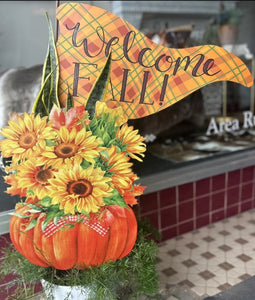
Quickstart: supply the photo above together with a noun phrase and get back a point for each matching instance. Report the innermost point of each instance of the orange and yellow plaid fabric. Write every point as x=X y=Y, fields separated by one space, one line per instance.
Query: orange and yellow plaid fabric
x=145 y=77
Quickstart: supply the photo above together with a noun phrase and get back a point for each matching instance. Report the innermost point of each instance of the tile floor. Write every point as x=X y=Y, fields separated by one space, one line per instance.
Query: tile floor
x=207 y=261
x=211 y=259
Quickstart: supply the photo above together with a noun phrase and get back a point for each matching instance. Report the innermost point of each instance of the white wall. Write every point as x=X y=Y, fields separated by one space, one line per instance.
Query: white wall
x=24 y=32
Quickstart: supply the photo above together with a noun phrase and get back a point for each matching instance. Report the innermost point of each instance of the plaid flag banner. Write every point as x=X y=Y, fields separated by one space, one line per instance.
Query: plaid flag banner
x=145 y=77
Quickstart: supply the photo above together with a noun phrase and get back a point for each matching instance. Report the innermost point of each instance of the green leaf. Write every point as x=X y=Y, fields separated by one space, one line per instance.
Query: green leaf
x=34 y=211
x=106 y=137
x=46 y=201
x=33 y=206
x=30 y=193
x=19 y=215
x=93 y=125
x=51 y=214
x=31 y=224
x=44 y=225
x=58 y=214
x=99 y=88
x=105 y=154
x=39 y=106
x=53 y=57
x=50 y=142
x=115 y=199
x=48 y=94
x=84 y=212
x=69 y=101
x=85 y=164
x=56 y=219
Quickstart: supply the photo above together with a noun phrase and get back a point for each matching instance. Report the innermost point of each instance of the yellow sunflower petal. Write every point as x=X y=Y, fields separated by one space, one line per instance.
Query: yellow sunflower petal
x=79 y=189
x=49 y=154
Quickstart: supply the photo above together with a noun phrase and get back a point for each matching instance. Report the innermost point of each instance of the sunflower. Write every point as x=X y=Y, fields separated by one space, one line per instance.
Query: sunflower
x=71 y=147
x=120 y=169
x=132 y=141
x=79 y=190
x=34 y=177
x=25 y=138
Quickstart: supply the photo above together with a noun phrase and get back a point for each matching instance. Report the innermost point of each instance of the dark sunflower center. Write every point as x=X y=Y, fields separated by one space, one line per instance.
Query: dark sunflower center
x=43 y=175
x=80 y=187
x=27 y=140
x=65 y=150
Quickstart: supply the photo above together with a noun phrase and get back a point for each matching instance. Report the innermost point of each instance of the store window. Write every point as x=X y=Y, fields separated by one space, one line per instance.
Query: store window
x=23 y=46
x=217 y=119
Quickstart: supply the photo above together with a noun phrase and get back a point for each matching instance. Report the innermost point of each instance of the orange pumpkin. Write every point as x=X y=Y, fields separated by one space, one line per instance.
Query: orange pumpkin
x=77 y=246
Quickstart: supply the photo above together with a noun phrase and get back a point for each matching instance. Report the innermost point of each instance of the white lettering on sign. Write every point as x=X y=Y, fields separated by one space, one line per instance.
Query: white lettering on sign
x=249 y=119
x=217 y=128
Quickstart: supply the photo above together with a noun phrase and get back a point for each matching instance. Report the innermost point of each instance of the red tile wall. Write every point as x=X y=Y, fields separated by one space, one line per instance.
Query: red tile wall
x=186 y=207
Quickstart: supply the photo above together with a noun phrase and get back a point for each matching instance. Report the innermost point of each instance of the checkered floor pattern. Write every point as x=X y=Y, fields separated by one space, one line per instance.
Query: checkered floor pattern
x=212 y=259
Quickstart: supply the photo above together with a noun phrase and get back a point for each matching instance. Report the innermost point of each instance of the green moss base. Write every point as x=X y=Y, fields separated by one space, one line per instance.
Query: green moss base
x=127 y=278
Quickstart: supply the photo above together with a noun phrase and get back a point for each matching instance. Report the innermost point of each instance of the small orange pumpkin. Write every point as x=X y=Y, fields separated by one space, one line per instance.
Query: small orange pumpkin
x=77 y=246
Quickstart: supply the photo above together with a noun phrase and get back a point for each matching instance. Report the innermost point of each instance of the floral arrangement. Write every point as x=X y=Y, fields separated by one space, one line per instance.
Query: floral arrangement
x=67 y=164
x=71 y=166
